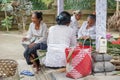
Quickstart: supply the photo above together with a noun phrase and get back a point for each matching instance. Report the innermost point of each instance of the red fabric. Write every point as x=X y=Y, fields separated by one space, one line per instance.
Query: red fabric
x=80 y=62
x=116 y=42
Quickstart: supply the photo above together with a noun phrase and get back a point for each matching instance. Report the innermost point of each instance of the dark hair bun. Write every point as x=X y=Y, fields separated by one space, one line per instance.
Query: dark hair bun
x=92 y=16
x=38 y=15
x=59 y=19
x=63 y=18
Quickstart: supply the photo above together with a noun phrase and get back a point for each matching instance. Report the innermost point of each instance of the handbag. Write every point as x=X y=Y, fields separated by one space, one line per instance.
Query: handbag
x=79 y=62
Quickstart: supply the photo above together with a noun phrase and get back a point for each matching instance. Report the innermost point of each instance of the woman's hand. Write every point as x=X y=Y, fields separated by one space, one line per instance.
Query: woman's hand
x=85 y=37
x=24 y=39
x=31 y=45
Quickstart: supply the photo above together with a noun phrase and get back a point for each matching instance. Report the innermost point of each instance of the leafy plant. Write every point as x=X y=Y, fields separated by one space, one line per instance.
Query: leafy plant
x=38 y=5
x=111 y=4
x=86 y=4
x=79 y=4
x=71 y=4
x=41 y=4
x=5 y=1
x=21 y=12
x=6 y=7
x=7 y=22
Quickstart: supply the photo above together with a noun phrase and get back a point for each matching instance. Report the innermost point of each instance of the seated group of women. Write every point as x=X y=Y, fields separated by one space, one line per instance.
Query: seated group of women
x=57 y=38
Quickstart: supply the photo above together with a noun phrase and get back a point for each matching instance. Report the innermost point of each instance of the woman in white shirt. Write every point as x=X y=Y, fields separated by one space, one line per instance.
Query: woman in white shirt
x=87 y=29
x=60 y=37
x=74 y=21
x=38 y=33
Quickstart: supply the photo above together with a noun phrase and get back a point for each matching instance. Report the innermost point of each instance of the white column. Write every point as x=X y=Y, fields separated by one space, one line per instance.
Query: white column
x=101 y=16
x=117 y=6
x=60 y=6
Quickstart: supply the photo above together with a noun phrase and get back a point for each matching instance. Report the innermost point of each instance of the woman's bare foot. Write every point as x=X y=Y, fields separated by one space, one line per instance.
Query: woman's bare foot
x=37 y=70
x=34 y=66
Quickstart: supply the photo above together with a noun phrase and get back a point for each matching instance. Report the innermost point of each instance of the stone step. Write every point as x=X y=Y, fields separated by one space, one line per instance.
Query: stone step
x=97 y=76
x=43 y=75
x=51 y=74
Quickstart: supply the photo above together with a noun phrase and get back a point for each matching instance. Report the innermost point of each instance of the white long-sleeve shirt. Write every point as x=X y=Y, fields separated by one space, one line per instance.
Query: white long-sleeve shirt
x=74 y=24
x=60 y=37
x=40 y=34
x=87 y=32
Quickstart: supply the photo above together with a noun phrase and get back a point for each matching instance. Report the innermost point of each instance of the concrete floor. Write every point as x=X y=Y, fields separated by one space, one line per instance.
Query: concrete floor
x=11 y=48
x=10 y=45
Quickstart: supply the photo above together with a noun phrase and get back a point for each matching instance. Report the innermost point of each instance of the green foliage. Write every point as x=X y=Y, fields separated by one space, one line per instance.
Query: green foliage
x=79 y=4
x=41 y=4
x=72 y=4
x=86 y=4
x=23 y=9
x=113 y=49
x=38 y=5
x=111 y=4
x=6 y=5
x=7 y=22
x=47 y=1
x=5 y=1
x=110 y=45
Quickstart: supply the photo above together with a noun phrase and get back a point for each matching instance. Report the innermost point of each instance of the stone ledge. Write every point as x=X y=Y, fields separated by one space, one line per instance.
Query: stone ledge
x=98 y=76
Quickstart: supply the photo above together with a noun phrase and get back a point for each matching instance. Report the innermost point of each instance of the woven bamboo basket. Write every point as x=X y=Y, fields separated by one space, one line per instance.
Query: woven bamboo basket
x=8 y=68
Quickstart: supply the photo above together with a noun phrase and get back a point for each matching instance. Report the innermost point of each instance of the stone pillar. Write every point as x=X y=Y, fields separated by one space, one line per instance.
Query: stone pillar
x=60 y=6
x=101 y=14
x=101 y=60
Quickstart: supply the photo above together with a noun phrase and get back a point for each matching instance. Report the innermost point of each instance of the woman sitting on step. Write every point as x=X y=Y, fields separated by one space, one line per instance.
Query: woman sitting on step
x=87 y=29
x=37 y=35
x=60 y=37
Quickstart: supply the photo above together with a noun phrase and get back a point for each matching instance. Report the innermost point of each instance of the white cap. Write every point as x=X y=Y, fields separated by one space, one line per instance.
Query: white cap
x=77 y=12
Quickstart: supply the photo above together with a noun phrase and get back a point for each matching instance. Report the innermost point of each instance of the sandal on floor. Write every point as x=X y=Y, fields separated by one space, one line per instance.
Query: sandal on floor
x=27 y=73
